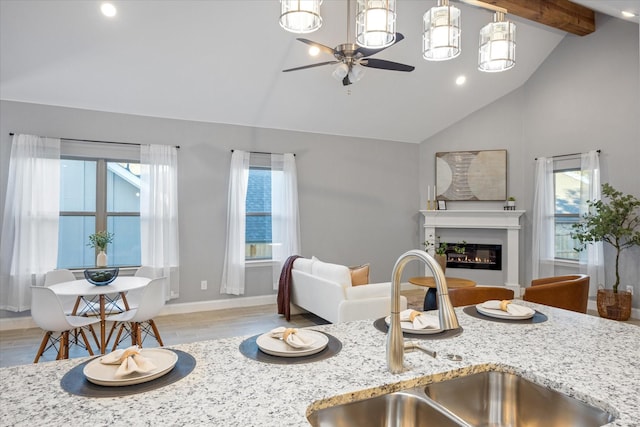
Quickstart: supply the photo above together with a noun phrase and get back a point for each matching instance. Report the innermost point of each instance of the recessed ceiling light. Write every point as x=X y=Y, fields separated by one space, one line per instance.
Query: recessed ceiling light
x=628 y=14
x=461 y=80
x=108 y=9
x=314 y=50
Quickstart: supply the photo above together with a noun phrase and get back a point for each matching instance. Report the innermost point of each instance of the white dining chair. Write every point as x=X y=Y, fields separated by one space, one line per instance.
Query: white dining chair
x=138 y=322
x=134 y=296
x=54 y=277
x=47 y=312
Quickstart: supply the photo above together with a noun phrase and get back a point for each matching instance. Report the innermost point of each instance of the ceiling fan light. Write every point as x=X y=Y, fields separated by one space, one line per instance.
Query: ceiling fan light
x=441 y=35
x=497 y=51
x=340 y=71
x=300 y=16
x=356 y=73
x=376 y=23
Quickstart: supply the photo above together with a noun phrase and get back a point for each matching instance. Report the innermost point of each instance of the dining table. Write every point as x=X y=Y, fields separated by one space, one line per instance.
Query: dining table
x=88 y=292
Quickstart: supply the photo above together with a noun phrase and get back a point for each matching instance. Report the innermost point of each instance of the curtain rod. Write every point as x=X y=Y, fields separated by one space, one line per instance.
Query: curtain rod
x=99 y=142
x=568 y=155
x=263 y=152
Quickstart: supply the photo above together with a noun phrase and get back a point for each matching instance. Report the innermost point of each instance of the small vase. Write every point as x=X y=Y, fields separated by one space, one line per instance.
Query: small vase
x=101 y=259
x=442 y=261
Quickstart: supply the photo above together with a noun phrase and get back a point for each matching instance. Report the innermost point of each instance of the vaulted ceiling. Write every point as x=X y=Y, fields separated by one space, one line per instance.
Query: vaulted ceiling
x=222 y=61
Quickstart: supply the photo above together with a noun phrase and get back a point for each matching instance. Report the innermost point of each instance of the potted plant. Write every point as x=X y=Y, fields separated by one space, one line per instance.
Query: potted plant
x=99 y=241
x=617 y=223
x=511 y=201
x=440 y=250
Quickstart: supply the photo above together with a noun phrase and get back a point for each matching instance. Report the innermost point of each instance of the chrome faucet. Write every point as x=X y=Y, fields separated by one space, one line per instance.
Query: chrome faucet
x=446 y=313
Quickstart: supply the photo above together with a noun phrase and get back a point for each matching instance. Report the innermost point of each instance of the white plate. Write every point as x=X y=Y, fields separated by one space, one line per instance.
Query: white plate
x=499 y=314
x=277 y=347
x=408 y=326
x=101 y=374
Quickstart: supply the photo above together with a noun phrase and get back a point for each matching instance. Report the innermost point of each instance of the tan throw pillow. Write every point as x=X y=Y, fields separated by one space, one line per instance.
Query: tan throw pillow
x=359 y=275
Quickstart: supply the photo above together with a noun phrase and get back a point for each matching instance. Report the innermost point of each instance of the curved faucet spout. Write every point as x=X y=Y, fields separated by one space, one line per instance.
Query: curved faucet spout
x=446 y=313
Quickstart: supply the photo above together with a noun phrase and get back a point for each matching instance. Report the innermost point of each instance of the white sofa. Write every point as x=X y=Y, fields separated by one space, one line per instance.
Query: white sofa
x=325 y=290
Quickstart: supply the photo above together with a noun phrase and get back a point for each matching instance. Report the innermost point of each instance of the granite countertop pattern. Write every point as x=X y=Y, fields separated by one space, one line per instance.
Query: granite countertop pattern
x=593 y=359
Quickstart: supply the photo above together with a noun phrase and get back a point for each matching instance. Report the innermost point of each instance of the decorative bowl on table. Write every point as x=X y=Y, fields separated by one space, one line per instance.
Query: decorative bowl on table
x=101 y=276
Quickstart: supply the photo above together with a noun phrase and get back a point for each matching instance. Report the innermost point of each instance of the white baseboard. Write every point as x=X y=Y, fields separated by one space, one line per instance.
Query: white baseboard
x=27 y=322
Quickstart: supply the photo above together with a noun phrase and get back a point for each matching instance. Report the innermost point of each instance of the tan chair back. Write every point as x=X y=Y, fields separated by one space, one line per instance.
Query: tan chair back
x=478 y=294
x=568 y=292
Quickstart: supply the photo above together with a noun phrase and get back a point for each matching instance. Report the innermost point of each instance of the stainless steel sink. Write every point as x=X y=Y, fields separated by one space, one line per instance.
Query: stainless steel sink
x=488 y=399
x=398 y=409
x=503 y=399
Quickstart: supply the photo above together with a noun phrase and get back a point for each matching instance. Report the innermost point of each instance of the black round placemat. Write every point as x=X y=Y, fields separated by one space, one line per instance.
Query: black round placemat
x=472 y=311
x=382 y=326
x=75 y=382
x=250 y=349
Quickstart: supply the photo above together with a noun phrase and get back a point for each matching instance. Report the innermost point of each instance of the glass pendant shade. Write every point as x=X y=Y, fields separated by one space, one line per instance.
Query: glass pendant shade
x=300 y=16
x=376 y=23
x=340 y=71
x=497 y=50
x=441 y=36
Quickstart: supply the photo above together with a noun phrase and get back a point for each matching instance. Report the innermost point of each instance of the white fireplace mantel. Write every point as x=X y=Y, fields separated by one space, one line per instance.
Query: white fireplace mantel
x=485 y=219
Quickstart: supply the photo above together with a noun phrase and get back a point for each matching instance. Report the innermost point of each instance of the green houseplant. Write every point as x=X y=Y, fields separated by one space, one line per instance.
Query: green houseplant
x=616 y=222
x=440 y=250
x=99 y=241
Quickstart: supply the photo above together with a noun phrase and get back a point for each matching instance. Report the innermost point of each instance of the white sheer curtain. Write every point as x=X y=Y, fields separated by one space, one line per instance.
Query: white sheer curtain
x=234 y=257
x=159 y=214
x=592 y=259
x=29 y=246
x=543 y=247
x=285 y=220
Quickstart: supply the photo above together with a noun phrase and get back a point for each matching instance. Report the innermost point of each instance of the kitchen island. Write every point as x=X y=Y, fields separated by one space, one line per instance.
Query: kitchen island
x=593 y=359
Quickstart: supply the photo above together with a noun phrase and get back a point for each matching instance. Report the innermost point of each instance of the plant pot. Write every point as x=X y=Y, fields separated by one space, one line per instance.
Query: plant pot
x=615 y=306
x=442 y=261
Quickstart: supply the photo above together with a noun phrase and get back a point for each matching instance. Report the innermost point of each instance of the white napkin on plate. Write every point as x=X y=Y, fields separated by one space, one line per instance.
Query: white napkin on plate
x=293 y=337
x=507 y=306
x=419 y=320
x=130 y=361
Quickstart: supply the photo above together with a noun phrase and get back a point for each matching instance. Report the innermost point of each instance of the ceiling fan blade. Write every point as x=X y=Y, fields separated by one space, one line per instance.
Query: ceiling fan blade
x=310 y=66
x=322 y=47
x=368 y=52
x=346 y=81
x=386 y=65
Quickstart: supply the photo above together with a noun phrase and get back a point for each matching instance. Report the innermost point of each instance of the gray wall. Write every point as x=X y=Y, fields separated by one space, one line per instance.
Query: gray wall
x=358 y=197
x=585 y=96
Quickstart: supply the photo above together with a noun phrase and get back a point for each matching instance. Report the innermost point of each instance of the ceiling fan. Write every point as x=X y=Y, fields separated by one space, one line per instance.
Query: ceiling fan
x=350 y=57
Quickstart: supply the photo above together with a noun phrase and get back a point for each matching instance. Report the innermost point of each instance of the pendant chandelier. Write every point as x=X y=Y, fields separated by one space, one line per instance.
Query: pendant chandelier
x=497 y=50
x=441 y=35
x=376 y=23
x=300 y=16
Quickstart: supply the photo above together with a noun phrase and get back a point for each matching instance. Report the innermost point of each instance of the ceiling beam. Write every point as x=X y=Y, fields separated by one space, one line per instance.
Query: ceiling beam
x=562 y=14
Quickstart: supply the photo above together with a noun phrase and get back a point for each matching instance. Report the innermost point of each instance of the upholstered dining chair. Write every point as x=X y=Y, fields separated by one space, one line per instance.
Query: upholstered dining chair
x=478 y=294
x=138 y=321
x=47 y=312
x=568 y=292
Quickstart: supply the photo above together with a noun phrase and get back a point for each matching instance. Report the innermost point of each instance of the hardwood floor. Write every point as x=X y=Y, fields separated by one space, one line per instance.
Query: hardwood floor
x=18 y=347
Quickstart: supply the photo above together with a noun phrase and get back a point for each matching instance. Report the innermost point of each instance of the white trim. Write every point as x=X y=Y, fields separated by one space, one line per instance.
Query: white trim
x=26 y=322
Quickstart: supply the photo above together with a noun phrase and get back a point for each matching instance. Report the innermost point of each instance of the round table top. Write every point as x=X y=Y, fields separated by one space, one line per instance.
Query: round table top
x=83 y=287
x=452 y=282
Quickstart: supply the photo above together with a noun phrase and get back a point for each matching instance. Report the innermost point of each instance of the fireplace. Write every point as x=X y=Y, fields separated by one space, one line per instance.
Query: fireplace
x=476 y=256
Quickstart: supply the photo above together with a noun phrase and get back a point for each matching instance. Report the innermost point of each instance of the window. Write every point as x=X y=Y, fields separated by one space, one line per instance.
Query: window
x=567 y=186
x=98 y=194
x=258 y=217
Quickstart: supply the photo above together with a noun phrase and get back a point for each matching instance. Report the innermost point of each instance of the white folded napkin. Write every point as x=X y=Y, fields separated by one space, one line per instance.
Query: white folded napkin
x=419 y=320
x=130 y=361
x=293 y=337
x=508 y=306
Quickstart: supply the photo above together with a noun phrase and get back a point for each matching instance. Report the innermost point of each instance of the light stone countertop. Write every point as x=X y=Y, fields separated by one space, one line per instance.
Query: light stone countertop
x=593 y=359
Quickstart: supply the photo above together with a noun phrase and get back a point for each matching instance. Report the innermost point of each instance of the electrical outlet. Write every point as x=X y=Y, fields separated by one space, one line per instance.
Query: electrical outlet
x=203 y=285
x=630 y=289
